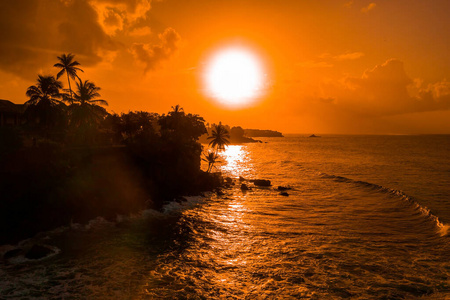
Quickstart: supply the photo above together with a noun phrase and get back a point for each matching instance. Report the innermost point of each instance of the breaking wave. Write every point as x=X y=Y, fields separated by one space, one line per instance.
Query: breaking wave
x=423 y=210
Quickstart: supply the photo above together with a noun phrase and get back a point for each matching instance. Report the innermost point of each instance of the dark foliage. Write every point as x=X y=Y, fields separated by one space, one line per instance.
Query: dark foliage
x=74 y=163
x=150 y=159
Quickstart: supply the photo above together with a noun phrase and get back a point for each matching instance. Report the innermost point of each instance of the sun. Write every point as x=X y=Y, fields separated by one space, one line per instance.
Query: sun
x=234 y=77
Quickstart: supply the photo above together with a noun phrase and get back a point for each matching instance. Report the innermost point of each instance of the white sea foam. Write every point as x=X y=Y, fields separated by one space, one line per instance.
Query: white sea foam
x=177 y=206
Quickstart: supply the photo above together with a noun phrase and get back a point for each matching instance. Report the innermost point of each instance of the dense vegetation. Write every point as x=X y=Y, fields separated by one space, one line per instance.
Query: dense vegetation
x=70 y=160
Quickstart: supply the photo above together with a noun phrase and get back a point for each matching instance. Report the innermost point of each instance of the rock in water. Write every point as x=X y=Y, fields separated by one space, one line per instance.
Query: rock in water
x=284 y=188
x=284 y=194
x=244 y=187
x=38 y=251
x=261 y=182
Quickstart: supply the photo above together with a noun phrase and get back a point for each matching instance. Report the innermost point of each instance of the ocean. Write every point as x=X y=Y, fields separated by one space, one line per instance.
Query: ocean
x=367 y=217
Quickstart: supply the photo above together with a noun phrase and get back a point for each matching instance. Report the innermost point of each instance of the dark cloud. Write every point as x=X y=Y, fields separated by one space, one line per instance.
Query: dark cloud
x=152 y=55
x=33 y=32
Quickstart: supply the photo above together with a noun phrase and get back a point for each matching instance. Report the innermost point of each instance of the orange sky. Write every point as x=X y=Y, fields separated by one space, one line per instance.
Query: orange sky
x=331 y=66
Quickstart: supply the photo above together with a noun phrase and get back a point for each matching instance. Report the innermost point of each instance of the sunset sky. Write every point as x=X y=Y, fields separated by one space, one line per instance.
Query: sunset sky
x=329 y=66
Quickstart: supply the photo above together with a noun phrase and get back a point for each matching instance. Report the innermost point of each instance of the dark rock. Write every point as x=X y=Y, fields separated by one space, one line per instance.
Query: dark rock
x=244 y=187
x=284 y=188
x=220 y=193
x=12 y=253
x=261 y=182
x=284 y=194
x=180 y=200
x=241 y=178
x=38 y=251
x=228 y=180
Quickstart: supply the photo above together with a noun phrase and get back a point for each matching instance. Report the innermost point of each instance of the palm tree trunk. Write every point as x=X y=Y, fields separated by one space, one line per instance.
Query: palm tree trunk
x=70 y=89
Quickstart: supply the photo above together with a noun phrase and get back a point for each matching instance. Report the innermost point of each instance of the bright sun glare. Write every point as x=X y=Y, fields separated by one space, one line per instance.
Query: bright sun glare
x=234 y=77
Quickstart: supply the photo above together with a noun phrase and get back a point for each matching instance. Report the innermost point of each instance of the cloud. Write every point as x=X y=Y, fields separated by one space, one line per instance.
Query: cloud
x=368 y=8
x=327 y=60
x=349 y=56
x=34 y=32
x=118 y=15
x=349 y=4
x=387 y=90
x=151 y=55
x=140 y=31
x=112 y=21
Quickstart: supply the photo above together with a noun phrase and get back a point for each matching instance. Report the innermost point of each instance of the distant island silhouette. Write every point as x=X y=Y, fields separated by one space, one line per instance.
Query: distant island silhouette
x=238 y=135
x=262 y=133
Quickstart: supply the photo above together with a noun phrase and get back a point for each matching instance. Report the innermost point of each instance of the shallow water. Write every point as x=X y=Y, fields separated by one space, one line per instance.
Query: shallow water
x=366 y=219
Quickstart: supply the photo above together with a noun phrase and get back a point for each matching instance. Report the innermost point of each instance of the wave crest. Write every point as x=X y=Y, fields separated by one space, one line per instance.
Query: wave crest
x=423 y=210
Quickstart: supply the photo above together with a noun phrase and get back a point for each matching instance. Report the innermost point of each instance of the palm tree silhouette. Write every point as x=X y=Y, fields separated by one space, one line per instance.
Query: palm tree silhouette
x=219 y=137
x=44 y=104
x=85 y=108
x=176 y=113
x=68 y=66
x=177 y=109
x=211 y=158
x=46 y=90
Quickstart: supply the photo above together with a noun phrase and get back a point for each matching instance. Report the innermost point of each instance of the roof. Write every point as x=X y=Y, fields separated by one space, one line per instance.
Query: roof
x=9 y=107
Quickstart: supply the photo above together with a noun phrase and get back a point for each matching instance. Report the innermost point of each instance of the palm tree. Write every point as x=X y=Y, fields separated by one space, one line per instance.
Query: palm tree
x=46 y=90
x=177 y=109
x=85 y=108
x=44 y=103
x=175 y=116
x=211 y=158
x=68 y=66
x=219 y=137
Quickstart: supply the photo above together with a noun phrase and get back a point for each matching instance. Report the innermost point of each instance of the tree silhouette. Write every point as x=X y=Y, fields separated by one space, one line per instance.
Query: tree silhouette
x=211 y=158
x=68 y=66
x=46 y=90
x=219 y=137
x=44 y=103
x=176 y=110
x=181 y=127
x=85 y=109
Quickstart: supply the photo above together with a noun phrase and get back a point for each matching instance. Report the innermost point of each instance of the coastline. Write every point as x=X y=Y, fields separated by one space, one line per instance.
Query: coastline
x=45 y=188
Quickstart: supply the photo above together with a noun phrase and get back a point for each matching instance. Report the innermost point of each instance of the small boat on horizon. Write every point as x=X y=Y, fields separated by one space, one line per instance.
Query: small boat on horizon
x=313 y=135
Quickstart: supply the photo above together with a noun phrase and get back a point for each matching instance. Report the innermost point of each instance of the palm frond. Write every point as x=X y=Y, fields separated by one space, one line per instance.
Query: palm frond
x=101 y=101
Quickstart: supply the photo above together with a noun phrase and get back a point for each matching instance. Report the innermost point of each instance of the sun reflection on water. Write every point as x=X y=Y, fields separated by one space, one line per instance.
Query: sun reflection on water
x=233 y=241
x=235 y=161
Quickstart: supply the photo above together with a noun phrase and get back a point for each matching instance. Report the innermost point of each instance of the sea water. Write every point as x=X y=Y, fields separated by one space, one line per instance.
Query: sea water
x=367 y=218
